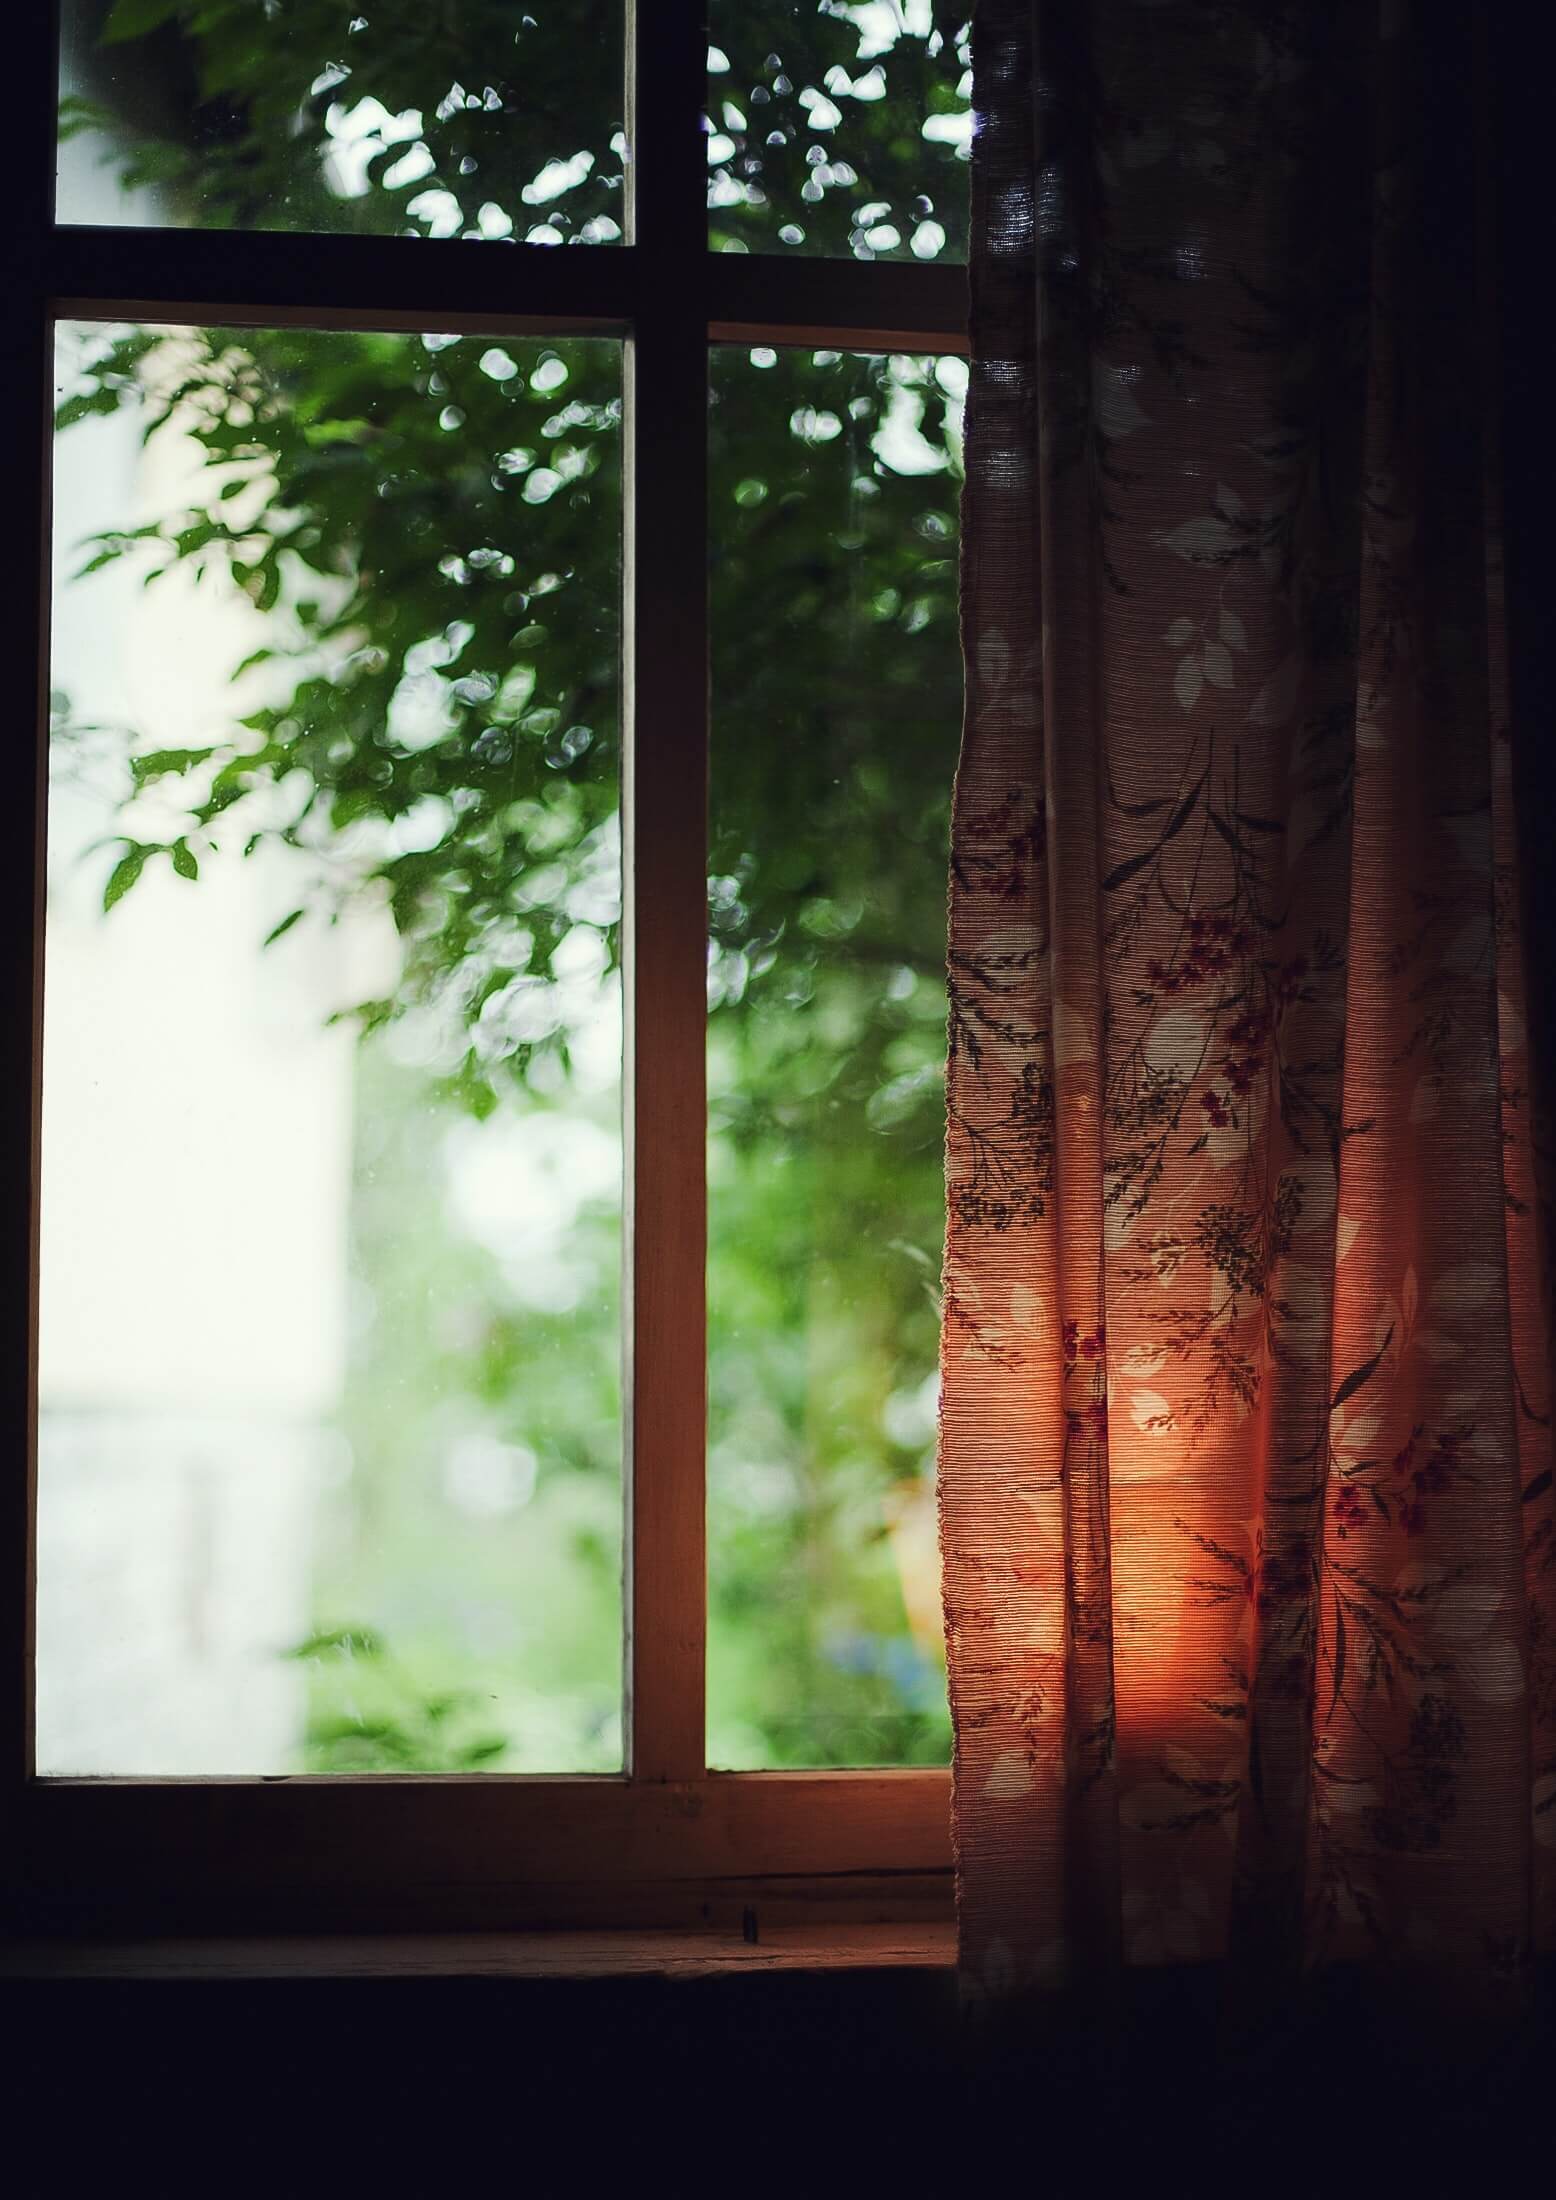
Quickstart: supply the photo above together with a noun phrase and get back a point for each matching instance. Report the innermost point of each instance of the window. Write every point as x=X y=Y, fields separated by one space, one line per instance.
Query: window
x=393 y=259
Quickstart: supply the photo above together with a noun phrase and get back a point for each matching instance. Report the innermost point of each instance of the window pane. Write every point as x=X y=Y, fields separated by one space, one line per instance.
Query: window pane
x=398 y=117
x=839 y=127
x=837 y=701
x=329 y=1454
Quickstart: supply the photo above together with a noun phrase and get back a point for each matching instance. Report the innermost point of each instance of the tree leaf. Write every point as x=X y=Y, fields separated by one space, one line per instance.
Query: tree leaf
x=77 y=114
x=84 y=405
x=157 y=763
x=134 y=18
x=124 y=874
x=483 y=1751
x=358 y=1642
x=1187 y=682
x=279 y=931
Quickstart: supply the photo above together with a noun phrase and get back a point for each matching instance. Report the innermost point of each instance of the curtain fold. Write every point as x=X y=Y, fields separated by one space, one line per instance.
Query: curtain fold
x=1246 y=1505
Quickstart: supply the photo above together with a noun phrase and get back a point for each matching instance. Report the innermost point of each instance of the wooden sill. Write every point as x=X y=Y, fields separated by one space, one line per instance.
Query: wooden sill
x=696 y=1955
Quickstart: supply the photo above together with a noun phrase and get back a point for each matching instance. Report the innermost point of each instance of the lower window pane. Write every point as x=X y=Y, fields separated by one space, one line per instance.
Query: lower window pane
x=837 y=705
x=329 y=1452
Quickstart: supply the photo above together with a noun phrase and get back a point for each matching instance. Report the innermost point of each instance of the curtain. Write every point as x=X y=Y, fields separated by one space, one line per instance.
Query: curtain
x=1246 y=1504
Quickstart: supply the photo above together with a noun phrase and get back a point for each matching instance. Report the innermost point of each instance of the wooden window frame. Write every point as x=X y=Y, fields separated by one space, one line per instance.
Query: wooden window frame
x=666 y=1843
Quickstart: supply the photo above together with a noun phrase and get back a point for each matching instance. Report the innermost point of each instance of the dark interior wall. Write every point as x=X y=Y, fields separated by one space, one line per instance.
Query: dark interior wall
x=405 y=2086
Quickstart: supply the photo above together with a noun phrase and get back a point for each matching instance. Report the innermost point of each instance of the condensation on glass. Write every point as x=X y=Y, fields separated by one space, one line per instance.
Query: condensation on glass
x=836 y=718
x=329 y=1472
x=839 y=127
x=394 y=117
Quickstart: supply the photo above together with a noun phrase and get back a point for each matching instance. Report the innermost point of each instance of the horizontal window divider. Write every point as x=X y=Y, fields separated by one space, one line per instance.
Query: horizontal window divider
x=260 y=278
x=813 y=1779
x=821 y=336
x=263 y=277
x=379 y=1854
x=854 y=305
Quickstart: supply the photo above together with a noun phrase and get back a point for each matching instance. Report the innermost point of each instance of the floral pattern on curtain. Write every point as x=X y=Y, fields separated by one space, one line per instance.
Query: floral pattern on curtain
x=1246 y=1502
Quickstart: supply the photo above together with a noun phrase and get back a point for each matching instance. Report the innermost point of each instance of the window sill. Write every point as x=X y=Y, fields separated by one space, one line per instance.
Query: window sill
x=665 y=1955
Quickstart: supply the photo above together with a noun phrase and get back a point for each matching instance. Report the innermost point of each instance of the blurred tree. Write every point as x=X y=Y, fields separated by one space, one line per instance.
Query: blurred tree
x=835 y=126
x=432 y=525
x=839 y=126
x=319 y=116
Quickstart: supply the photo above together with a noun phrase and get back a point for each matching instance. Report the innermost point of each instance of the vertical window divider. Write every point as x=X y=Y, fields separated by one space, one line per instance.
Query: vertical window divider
x=664 y=857
x=26 y=393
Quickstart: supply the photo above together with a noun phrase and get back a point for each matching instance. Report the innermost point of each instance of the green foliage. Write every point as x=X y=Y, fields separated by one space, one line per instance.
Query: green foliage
x=123 y=875
x=396 y=118
x=431 y=527
x=390 y=1724
x=434 y=531
x=836 y=129
x=826 y=130
x=521 y=1606
x=134 y=18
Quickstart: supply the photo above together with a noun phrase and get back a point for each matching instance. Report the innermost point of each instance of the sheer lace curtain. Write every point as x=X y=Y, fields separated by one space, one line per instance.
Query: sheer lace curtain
x=1250 y=1564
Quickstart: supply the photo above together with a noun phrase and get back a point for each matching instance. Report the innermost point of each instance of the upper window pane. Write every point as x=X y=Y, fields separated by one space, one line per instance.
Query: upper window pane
x=329 y=1459
x=375 y=117
x=839 y=127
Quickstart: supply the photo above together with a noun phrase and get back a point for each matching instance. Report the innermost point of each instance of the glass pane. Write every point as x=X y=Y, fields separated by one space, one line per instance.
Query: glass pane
x=399 y=118
x=839 y=127
x=329 y=1455
x=836 y=719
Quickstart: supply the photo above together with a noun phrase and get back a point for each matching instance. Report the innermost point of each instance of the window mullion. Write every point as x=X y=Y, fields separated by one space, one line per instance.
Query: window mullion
x=26 y=387
x=665 y=923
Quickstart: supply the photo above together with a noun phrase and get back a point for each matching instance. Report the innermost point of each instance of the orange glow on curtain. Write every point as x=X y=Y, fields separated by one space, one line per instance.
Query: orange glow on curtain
x=1246 y=1507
